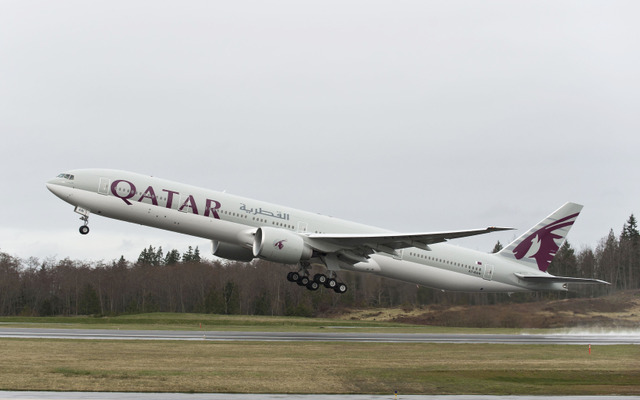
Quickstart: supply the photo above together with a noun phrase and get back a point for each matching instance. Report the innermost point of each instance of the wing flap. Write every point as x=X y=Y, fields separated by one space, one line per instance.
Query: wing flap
x=395 y=241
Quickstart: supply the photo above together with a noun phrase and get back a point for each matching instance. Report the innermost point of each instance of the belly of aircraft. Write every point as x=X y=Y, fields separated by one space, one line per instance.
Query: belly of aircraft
x=433 y=277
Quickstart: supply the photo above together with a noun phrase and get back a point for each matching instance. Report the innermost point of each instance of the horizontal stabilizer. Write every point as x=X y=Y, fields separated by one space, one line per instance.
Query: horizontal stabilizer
x=560 y=279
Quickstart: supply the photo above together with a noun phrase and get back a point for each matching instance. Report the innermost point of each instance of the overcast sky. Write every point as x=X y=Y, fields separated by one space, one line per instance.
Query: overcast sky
x=414 y=116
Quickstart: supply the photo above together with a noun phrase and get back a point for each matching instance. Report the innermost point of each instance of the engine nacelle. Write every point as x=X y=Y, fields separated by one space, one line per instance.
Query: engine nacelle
x=279 y=245
x=231 y=251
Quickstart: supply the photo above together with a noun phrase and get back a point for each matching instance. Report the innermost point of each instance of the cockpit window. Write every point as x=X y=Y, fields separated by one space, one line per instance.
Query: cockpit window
x=66 y=176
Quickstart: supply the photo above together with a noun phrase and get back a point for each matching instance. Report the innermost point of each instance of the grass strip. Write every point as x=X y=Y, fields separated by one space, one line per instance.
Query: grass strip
x=317 y=367
x=199 y=322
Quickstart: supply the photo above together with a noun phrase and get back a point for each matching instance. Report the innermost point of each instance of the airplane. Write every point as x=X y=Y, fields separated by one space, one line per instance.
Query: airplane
x=243 y=229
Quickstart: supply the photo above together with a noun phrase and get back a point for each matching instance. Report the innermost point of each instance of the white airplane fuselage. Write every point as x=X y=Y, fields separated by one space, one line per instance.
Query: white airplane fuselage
x=231 y=222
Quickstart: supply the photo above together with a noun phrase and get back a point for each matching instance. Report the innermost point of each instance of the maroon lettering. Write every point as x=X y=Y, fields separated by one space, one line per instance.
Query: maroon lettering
x=149 y=194
x=212 y=211
x=170 y=194
x=191 y=204
x=127 y=195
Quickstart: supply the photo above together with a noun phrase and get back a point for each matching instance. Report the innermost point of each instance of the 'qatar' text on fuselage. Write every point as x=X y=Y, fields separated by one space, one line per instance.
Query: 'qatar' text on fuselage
x=126 y=190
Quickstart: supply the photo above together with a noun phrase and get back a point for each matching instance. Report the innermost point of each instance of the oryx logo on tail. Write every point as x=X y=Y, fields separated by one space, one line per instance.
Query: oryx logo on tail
x=539 y=245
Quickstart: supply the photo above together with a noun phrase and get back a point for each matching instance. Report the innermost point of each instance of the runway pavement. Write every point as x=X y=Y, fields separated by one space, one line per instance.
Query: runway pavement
x=574 y=338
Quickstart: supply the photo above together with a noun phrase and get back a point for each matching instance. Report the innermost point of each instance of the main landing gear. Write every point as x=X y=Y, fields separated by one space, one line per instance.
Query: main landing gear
x=302 y=278
x=84 y=229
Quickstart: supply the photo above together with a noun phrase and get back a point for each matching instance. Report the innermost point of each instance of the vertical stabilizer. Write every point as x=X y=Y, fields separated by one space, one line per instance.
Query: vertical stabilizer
x=539 y=245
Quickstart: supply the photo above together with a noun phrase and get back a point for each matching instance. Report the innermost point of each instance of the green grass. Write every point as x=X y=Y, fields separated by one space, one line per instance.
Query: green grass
x=199 y=322
x=304 y=367
x=277 y=367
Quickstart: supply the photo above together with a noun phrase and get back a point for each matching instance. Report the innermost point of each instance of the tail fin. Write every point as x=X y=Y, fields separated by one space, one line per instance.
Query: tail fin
x=539 y=245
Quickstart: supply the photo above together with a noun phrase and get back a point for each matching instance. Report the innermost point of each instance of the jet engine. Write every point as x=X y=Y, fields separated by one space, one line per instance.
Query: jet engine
x=279 y=245
x=231 y=251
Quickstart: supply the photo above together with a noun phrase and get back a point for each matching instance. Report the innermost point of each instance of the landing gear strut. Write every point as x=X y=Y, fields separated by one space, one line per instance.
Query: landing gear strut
x=84 y=229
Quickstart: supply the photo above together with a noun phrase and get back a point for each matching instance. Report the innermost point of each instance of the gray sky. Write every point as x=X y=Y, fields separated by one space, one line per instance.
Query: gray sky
x=408 y=115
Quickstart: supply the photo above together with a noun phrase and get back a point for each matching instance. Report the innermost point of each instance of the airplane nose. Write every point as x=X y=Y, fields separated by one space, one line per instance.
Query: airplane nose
x=52 y=184
x=53 y=188
x=59 y=190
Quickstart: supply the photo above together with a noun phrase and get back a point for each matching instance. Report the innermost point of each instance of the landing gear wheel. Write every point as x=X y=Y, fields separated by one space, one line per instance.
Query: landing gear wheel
x=303 y=280
x=290 y=277
x=340 y=288
x=313 y=285
x=84 y=229
x=330 y=283
x=320 y=278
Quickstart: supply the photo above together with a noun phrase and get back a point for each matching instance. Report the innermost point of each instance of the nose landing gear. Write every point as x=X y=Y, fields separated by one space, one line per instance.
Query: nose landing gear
x=84 y=229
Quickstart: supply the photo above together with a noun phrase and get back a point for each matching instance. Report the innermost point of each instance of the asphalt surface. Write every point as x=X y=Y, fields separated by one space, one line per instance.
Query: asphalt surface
x=575 y=338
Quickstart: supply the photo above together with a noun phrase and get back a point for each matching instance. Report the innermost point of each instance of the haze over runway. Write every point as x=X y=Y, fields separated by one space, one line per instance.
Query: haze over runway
x=413 y=116
x=574 y=338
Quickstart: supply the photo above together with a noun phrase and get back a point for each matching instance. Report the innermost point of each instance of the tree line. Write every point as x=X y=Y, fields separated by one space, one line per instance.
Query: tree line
x=174 y=282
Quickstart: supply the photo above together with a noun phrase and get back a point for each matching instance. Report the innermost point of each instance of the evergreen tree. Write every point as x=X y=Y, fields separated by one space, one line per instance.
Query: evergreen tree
x=262 y=304
x=188 y=256
x=608 y=256
x=191 y=255
x=122 y=262
x=89 y=302
x=172 y=257
x=497 y=247
x=231 y=296
x=629 y=266
x=143 y=258
x=151 y=256
x=565 y=263
x=214 y=303
x=158 y=257
x=630 y=230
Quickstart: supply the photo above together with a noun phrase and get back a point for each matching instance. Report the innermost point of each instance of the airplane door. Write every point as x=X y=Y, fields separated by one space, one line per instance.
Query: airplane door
x=488 y=272
x=103 y=188
x=302 y=227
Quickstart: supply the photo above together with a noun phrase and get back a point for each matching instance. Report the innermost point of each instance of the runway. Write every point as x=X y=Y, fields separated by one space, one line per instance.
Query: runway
x=570 y=338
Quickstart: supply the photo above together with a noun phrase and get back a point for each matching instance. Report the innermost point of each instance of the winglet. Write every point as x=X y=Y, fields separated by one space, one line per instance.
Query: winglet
x=499 y=228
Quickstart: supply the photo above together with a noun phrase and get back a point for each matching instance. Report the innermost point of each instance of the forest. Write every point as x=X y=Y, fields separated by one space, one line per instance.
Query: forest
x=185 y=283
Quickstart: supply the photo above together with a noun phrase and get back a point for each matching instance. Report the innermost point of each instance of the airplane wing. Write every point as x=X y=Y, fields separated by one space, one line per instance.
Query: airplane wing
x=389 y=242
x=562 y=279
